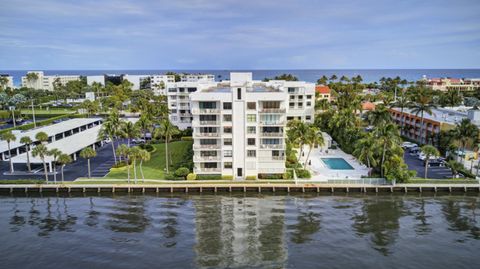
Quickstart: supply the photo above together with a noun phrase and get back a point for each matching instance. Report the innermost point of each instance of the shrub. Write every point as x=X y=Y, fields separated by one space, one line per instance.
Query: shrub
x=191 y=176
x=147 y=147
x=120 y=164
x=172 y=176
x=209 y=177
x=253 y=177
x=186 y=138
x=303 y=173
x=227 y=177
x=270 y=176
x=182 y=172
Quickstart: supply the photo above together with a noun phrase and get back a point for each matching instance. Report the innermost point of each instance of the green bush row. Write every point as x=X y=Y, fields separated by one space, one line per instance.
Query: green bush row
x=209 y=177
x=31 y=125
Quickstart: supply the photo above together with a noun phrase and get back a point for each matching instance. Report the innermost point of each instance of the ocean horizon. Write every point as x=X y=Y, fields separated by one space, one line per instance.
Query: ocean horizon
x=310 y=75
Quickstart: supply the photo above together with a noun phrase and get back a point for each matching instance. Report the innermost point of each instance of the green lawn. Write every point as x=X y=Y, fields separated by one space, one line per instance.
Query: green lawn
x=154 y=169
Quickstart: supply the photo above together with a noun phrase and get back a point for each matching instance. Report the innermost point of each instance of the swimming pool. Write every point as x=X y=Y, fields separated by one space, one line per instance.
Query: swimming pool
x=337 y=164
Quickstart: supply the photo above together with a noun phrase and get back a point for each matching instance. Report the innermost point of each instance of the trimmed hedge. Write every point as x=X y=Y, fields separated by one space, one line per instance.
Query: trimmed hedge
x=209 y=177
x=186 y=138
x=191 y=176
x=31 y=125
x=251 y=177
x=227 y=177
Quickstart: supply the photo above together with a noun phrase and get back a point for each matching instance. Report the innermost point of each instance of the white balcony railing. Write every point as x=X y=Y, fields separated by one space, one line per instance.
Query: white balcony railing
x=205 y=122
x=279 y=122
x=199 y=146
x=271 y=146
x=272 y=158
x=276 y=134
x=202 y=169
x=206 y=111
x=206 y=158
x=273 y=110
x=206 y=134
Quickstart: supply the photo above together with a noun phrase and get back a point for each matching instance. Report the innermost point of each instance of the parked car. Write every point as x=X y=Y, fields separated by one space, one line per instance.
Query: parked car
x=422 y=157
x=436 y=163
x=138 y=141
x=409 y=145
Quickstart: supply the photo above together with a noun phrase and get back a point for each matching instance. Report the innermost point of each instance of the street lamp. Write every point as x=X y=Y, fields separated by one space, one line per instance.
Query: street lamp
x=12 y=108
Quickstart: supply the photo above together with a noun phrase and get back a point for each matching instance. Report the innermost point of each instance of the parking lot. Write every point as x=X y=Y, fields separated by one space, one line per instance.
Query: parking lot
x=418 y=165
x=100 y=166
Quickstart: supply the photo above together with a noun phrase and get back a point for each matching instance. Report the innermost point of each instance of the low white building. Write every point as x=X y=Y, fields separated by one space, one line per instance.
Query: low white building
x=44 y=82
x=239 y=125
x=9 y=81
x=197 y=78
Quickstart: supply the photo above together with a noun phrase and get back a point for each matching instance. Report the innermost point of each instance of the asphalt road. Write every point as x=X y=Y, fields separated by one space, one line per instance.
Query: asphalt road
x=433 y=172
x=100 y=166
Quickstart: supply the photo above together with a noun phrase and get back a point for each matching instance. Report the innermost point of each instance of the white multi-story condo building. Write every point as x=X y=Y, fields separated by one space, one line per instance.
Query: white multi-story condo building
x=155 y=82
x=239 y=125
x=197 y=77
x=9 y=81
x=40 y=81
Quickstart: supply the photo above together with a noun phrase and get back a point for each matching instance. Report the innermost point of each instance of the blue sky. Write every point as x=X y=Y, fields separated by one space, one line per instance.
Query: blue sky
x=239 y=34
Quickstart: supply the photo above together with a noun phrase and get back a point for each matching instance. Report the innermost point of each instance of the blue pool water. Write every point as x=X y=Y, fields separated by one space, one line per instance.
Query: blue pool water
x=337 y=164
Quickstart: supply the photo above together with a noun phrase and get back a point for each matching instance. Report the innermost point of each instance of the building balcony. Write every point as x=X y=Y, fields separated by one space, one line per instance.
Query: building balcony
x=206 y=134
x=206 y=170
x=271 y=146
x=272 y=158
x=206 y=111
x=270 y=123
x=199 y=146
x=185 y=114
x=206 y=158
x=205 y=122
x=272 y=134
x=272 y=110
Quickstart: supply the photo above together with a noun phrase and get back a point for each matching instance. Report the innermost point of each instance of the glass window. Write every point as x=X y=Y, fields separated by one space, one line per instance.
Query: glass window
x=227 y=141
x=207 y=105
x=309 y=97
x=239 y=94
x=308 y=117
x=227 y=105
x=227 y=117
x=300 y=105
x=227 y=130
x=251 y=153
x=251 y=141
x=251 y=129
x=252 y=105
x=300 y=97
x=251 y=118
x=309 y=103
x=227 y=153
x=227 y=165
x=292 y=97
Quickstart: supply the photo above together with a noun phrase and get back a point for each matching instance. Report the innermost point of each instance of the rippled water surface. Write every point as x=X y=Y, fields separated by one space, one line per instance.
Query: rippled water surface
x=240 y=232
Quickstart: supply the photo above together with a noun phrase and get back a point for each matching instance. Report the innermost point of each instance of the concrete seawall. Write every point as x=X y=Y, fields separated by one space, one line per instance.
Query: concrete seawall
x=242 y=188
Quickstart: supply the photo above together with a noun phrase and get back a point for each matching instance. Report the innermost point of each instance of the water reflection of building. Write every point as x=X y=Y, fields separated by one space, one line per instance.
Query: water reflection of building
x=240 y=232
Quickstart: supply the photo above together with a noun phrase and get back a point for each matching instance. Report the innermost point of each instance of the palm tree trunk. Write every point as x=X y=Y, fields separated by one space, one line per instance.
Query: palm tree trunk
x=426 y=166
x=45 y=169
x=135 y=170
x=29 y=167
x=114 y=154
x=166 y=152
x=63 y=177
x=55 y=174
x=141 y=171
x=128 y=170
x=421 y=130
x=383 y=158
x=308 y=156
x=10 y=158
x=88 y=162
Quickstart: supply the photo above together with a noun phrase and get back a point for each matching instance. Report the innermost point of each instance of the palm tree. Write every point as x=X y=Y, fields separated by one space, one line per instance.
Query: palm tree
x=133 y=154
x=122 y=151
x=42 y=137
x=313 y=137
x=88 y=153
x=9 y=137
x=144 y=155
x=455 y=167
x=27 y=141
x=130 y=131
x=365 y=150
x=379 y=116
x=423 y=104
x=41 y=151
x=402 y=103
x=109 y=130
x=295 y=133
x=388 y=138
x=166 y=130
x=144 y=124
x=429 y=151
x=63 y=160
x=464 y=132
x=55 y=153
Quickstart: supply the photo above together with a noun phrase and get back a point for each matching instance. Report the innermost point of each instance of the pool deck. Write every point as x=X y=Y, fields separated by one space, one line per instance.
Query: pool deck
x=322 y=172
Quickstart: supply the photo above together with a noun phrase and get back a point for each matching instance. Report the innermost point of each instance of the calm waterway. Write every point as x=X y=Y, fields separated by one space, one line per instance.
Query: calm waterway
x=236 y=231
